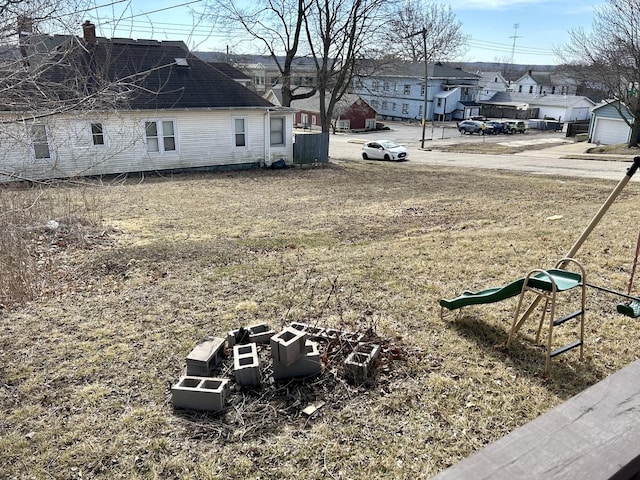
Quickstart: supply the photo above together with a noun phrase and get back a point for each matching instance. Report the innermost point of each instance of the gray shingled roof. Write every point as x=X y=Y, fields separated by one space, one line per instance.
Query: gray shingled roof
x=141 y=75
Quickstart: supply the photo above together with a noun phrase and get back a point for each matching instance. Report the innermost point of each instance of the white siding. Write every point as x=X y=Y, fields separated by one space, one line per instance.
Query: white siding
x=203 y=138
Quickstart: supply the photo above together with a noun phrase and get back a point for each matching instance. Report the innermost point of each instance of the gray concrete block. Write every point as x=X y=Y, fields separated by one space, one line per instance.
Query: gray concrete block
x=205 y=357
x=200 y=393
x=311 y=330
x=288 y=346
x=260 y=334
x=246 y=364
x=361 y=362
x=308 y=365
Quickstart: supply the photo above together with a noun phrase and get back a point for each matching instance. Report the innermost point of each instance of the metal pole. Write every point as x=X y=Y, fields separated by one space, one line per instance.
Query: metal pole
x=426 y=85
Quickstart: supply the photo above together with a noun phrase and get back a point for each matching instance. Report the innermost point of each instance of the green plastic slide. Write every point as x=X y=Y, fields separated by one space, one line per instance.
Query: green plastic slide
x=564 y=280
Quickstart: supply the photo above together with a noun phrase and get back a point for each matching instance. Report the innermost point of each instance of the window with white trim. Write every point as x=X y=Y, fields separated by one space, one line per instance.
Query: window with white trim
x=240 y=132
x=407 y=89
x=160 y=136
x=97 y=134
x=276 y=130
x=405 y=108
x=40 y=141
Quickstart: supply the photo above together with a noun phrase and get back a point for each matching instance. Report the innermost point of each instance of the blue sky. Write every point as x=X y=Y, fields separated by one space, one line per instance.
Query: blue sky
x=542 y=25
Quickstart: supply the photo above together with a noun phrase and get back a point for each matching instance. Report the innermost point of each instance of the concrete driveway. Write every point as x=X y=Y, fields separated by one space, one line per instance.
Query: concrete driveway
x=568 y=159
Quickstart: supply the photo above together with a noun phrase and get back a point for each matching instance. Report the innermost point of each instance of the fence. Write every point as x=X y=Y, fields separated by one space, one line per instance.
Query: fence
x=311 y=148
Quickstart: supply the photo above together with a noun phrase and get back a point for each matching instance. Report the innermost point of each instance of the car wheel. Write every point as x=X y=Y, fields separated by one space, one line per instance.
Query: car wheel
x=386 y=157
x=365 y=156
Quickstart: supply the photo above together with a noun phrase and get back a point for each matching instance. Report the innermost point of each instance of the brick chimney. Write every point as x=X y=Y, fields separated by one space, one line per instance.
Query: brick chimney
x=89 y=32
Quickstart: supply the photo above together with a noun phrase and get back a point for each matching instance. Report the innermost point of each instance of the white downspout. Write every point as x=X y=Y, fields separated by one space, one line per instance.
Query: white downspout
x=267 y=139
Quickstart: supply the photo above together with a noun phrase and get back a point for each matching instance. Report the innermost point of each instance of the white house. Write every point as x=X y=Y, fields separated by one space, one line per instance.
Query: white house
x=120 y=105
x=491 y=83
x=548 y=83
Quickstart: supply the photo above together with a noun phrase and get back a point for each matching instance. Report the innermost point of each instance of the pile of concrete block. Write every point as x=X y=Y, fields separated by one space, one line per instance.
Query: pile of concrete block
x=294 y=354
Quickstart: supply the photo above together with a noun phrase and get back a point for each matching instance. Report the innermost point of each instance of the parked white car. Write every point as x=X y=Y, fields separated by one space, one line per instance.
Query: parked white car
x=384 y=150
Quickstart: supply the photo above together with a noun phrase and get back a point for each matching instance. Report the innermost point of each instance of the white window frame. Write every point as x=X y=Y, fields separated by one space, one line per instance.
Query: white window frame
x=407 y=89
x=236 y=133
x=405 y=108
x=280 y=142
x=370 y=123
x=99 y=135
x=42 y=141
x=304 y=119
x=160 y=137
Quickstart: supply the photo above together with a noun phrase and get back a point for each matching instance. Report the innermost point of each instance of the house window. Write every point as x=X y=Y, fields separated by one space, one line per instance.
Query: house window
x=240 y=132
x=375 y=86
x=160 y=136
x=439 y=102
x=343 y=125
x=407 y=89
x=97 y=134
x=370 y=124
x=519 y=88
x=304 y=119
x=258 y=79
x=40 y=141
x=386 y=86
x=276 y=127
x=405 y=108
x=394 y=107
x=422 y=90
x=313 y=120
x=420 y=111
x=530 y=88
x=359 y=83
x=553 y=90
x=385 y=105
x=375 y=103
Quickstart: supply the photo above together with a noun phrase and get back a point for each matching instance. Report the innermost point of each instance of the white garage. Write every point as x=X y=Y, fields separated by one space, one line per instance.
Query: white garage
x=608 y=125
x=609 y=131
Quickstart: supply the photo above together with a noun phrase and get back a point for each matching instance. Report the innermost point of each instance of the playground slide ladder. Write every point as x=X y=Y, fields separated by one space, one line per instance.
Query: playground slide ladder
x=546 y=285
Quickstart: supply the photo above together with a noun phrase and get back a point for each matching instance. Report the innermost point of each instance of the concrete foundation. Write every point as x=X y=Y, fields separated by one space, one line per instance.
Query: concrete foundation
x=308 y=365
x=246 y=364
x=200 y=393
x=205 y=357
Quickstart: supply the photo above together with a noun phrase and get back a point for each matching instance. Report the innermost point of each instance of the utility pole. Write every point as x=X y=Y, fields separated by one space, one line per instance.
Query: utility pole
x=514 y=36
x=423 y=32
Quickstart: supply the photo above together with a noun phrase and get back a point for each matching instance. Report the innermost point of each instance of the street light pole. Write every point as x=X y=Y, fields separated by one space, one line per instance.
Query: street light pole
x=423 y=32
x=426 y=85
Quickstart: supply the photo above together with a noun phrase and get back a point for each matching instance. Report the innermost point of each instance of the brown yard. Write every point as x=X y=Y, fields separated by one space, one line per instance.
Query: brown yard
x=139 y=272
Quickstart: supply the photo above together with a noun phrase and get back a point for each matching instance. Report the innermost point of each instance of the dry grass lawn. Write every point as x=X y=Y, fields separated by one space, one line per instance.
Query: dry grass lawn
x=86 y=367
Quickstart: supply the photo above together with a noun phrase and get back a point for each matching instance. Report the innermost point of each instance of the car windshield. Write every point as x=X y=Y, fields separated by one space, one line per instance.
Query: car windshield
x=389 y=144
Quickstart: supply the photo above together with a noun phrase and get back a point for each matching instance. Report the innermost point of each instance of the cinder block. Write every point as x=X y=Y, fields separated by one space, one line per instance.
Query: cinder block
x=246 y=364
x=288 y=346
x=199 y=393
x=260 y=334
x=311 y=330
x=308 y=365
x=360 y=363
x=205 y=357
x=352 y=337
x=332 y=333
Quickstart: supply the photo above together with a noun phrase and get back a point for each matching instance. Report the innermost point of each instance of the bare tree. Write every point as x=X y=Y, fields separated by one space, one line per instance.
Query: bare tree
x=439 y=29
x=277 y=25
x=339 y=33
x=611 y=50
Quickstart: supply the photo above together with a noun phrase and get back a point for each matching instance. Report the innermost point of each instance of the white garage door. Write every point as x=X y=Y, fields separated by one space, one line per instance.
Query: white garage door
x=608 y=131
